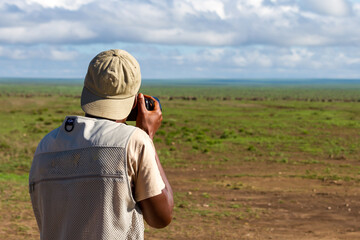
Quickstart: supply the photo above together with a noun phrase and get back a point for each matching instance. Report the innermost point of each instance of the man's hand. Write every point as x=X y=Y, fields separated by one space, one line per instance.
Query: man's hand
x=149 y=121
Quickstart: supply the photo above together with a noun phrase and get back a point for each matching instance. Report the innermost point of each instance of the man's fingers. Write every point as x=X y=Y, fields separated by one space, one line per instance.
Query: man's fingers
x=141 y=102
x=149 y=121
x=157 y=105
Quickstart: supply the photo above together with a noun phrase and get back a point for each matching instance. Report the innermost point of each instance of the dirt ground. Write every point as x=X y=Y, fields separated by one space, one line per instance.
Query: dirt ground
x=274 y=207
x=218 y=203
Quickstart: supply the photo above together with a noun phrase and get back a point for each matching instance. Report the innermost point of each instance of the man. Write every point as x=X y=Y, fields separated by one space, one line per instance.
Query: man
x=95 y=177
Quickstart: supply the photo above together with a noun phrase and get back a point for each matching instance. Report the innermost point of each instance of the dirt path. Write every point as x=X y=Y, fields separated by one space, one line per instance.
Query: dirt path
x=275 y=207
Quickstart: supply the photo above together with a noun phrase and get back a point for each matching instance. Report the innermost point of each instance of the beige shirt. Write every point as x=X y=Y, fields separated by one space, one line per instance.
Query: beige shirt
x=143 y=172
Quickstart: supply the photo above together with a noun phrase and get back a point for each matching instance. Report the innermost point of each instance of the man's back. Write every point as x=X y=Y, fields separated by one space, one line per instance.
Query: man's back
x=82 y=168
x=95 y=177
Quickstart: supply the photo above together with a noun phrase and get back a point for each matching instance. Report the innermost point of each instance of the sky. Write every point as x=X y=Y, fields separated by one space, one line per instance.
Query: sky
x=239 y=39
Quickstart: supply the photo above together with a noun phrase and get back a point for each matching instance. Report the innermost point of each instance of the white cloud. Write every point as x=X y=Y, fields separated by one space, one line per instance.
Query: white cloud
x=66 y=4
x=50 y=32
x=240 y=61
x=177 y=62
x=337 y=8
x=174 y=36
x=308 y=40
x=196 y=7
x=59 y=55
x=296 y=57
x=213 y=55
x=38 y=53
x=221 y=37
x=208 y=6
x=347 y=59
x=258 y=62
x=184 y=22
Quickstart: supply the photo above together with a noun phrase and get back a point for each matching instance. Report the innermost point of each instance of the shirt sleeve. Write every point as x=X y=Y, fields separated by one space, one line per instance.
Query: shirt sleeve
x=143 y=172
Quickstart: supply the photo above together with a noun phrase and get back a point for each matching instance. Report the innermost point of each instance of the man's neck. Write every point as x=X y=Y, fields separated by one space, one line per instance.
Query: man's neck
x=118 y=121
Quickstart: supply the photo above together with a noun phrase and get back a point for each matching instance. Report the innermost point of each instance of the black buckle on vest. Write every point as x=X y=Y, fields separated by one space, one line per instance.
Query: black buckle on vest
x=69 y=124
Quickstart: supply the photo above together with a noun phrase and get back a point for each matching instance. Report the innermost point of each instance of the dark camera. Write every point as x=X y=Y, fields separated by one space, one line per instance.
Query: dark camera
x=149 y=104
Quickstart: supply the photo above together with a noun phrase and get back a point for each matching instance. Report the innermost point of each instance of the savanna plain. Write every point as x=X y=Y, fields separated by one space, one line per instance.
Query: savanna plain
x=244 y=162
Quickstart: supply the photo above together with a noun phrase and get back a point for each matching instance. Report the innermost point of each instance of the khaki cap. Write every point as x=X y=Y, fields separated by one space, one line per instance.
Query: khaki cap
x=111 y=83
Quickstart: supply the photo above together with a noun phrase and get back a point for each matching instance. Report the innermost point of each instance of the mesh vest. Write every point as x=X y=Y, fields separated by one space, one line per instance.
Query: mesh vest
x=79 y=186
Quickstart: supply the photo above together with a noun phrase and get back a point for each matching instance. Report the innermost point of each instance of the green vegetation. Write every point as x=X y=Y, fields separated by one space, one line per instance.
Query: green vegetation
x=206 y=145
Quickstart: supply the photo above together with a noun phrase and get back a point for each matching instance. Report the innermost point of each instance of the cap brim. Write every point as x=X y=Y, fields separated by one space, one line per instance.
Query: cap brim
x=115 y=109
